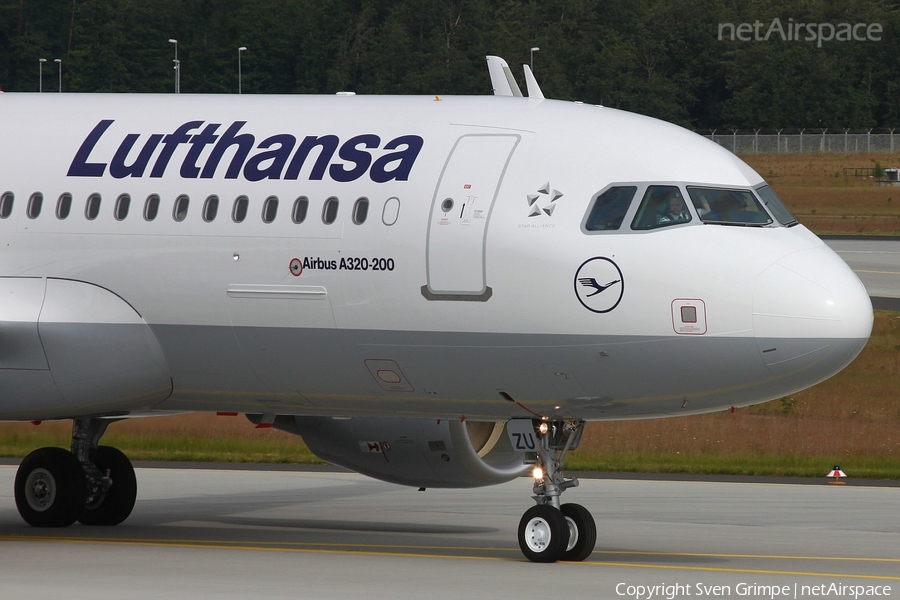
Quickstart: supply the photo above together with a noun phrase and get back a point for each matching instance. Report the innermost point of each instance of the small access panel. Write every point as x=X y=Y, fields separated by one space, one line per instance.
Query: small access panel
x=689 y=316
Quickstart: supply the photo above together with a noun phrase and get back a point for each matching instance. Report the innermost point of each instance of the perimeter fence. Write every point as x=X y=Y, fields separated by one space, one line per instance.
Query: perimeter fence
x=798 y=141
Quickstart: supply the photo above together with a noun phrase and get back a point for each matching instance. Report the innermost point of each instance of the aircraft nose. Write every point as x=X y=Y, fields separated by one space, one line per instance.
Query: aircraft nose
x=811 y=317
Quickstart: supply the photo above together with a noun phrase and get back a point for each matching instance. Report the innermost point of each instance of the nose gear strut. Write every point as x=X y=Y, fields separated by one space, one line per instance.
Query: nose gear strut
x=551 y=531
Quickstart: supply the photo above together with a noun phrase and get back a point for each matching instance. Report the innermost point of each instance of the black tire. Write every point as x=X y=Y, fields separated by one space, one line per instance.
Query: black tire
x=118 y=502
x=582 y=532
x=50 y=488
x=543 y=534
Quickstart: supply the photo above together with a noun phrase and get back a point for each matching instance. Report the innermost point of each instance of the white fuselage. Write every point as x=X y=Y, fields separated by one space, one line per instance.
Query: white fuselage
x=471 y=307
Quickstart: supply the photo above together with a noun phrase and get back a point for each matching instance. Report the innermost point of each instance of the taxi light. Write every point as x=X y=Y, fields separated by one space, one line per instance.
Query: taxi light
x=538 y=473
x=543 y=428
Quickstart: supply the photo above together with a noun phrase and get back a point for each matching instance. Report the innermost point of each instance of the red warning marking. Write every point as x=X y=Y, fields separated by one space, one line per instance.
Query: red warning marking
x=226 y=414
x=468 y=186
x=296 y=267
x=264 y=426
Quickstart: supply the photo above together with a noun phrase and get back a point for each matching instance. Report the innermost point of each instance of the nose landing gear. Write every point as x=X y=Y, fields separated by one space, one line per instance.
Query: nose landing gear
x=92 y=484
x=549 y=531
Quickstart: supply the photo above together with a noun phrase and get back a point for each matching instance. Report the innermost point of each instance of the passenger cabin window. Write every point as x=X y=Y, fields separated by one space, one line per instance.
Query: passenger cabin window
x=662 y=206
x=391 y=211
x=728 y=207
x=239 y=211
x=301 y=206
x=123 y=203
x=609 y=208
x=776 y=206
x=360 y=211
x=6 y=204
x=180 y=210
x=64 y=206
x=92 y=207
x=151 y=207
x=330 y=211
x=34 y=205
x=270 y=209
x=210 y=208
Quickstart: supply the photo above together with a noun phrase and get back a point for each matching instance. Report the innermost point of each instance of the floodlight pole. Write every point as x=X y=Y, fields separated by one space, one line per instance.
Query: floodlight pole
x=177 y=67
x=58 y=61
x=241 y=49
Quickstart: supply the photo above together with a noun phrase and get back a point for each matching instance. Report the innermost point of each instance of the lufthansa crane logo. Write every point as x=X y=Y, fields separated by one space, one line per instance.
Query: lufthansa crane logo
x=599 y=284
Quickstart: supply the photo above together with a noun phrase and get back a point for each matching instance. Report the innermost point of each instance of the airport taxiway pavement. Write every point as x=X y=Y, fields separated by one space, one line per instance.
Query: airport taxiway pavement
x=875 y=260
x=220 y=533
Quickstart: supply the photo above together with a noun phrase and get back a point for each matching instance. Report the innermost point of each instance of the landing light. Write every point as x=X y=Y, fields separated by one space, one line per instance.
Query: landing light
x=543 y=428
x=538 y=473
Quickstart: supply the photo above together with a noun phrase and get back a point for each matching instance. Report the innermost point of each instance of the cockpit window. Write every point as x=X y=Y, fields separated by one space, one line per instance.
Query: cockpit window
x=609 y=209
x=776 y=206
x=663 y=205
x=728 y=207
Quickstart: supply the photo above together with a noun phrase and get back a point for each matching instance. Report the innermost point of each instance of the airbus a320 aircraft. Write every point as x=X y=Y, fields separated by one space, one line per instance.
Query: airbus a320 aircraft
x=433 y=291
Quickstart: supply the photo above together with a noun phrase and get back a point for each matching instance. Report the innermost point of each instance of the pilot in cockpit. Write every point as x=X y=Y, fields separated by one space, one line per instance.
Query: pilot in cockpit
x=675 y=210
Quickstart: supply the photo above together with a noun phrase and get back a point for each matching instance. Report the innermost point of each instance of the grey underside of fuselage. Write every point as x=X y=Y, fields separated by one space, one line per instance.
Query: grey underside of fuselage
x=330 y=372
x=106 y=369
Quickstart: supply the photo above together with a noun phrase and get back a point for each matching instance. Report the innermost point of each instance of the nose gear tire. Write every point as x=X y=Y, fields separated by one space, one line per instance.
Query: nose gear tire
x=579 y=520
x=543 y=534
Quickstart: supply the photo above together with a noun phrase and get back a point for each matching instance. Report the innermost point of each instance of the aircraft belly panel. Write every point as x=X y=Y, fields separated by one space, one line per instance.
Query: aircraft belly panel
x=324 y=372
x=20 y=305
x=101 y=353
x=20 y=346
x=460 y=213
x=284 y=332
x=30 y=394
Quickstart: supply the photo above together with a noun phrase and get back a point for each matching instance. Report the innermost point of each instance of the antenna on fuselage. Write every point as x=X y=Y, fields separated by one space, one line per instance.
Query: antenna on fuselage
x=534 y=90
x=504 y=84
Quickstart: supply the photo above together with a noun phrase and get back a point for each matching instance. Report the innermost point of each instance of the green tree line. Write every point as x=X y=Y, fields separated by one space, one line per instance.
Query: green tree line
x=662 y=58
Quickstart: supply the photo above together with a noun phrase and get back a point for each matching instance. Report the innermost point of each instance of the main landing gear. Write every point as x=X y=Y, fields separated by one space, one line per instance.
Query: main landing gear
x=92 y=484
x=550 y=531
